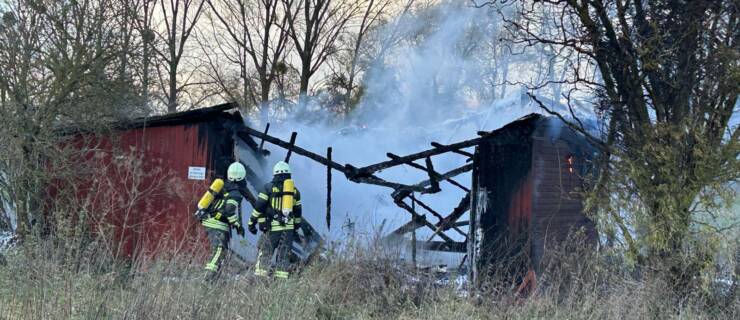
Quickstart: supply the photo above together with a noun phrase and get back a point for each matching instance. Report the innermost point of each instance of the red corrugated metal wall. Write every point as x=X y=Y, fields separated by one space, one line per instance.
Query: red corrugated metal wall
x=139 y=192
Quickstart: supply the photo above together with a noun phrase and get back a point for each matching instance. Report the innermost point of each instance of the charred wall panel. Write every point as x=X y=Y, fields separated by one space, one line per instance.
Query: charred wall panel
x=560 y=159
x=527 y=185
x=504 y=181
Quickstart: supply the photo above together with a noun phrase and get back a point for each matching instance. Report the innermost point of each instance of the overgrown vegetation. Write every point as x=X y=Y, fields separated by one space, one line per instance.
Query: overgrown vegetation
x=663 y=75
x=37 y=283
x=666 y=78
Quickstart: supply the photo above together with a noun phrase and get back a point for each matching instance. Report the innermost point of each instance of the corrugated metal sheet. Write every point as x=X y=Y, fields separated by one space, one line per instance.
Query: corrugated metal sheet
x=160 y=221
x=136 y=187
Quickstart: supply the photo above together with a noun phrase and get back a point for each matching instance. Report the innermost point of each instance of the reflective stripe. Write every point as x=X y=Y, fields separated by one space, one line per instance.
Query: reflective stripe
x=298 y=203
x=263 y=196
x=262 y=220
x=258 y=271
x=233 y=219
x=282 y=228
x=276 y=223
x=256 y=213
x=281 y=274
x=215 y=224
x=232 y=201
x=217 y=216
x=212 y=265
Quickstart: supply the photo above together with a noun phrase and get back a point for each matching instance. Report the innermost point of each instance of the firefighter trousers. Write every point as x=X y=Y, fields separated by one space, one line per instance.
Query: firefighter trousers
x=276 y=243
x=219 y=242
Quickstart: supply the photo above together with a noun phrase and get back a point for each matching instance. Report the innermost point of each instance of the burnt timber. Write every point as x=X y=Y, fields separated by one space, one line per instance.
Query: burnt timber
x=514 y=169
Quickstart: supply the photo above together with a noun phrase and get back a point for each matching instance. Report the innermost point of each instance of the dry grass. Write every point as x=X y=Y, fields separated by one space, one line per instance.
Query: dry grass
x=40 y=283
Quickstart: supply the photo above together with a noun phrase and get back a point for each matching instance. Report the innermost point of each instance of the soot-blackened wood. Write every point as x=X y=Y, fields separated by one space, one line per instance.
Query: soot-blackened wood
x=262 y=141
x=460 y=247
x=412 y=225
x=413 y=236
x=416 y=156
x=449 y=221
x=458 y=151
x=328 y=190
x=432 y=175
x=434 y=213
x=461 y=223
x=448 y=175
x=347 y=170
x=438 y=176
x=473 y=216
x=424 y=221
x=293 y=136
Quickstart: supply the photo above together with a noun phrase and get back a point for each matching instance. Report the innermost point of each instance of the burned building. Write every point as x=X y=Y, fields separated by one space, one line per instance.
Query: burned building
x=526 y=178
x=153 y=171
x=523 y=199
x=527 y=185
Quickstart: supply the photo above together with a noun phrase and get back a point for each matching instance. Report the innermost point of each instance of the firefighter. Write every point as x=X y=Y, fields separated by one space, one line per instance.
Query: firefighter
x=278 y=214
x=222 y=216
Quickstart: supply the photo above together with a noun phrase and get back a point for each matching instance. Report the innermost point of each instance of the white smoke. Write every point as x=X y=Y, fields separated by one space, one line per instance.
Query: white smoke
x=428 y=89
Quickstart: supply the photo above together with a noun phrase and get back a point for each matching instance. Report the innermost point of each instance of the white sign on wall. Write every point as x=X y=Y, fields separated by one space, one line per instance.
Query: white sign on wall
x=197 y=173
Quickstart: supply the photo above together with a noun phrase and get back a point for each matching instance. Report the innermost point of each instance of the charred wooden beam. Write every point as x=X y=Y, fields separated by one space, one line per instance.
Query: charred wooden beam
x=432 y=175
x=438 y=176
x=412 y=225
x=413 y=238
x=347 y=170
x=434 y=213
x=460 y=247
x=416 y=224
x=293 y=136
x=448 y=175
x=416 y=156
x=425 y=222
x=458 y=151
x=328 y=190
x=456 y=213
x=298 y=150
x=448 y=222
x=461 y=223
x=262 y=141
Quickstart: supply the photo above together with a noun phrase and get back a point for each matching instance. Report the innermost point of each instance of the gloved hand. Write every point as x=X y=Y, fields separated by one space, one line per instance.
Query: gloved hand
x=240 y=230
x=252 y=228
x=264 y=227
x=200 y=214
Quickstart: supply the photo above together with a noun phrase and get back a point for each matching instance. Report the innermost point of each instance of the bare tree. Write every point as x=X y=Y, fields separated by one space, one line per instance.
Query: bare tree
x=179 y=18
x=258 y=31
x=374 y=11
x=315 y=26
x=141 y=13
x=666 y=77
x=59 y=60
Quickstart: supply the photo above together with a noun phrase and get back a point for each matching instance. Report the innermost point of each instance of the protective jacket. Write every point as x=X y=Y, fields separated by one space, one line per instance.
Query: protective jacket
x=225 y=211
x=268 y=209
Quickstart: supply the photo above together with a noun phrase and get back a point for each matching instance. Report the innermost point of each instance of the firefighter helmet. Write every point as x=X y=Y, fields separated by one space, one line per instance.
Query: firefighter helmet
x=281 y=167
x=236 y=172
